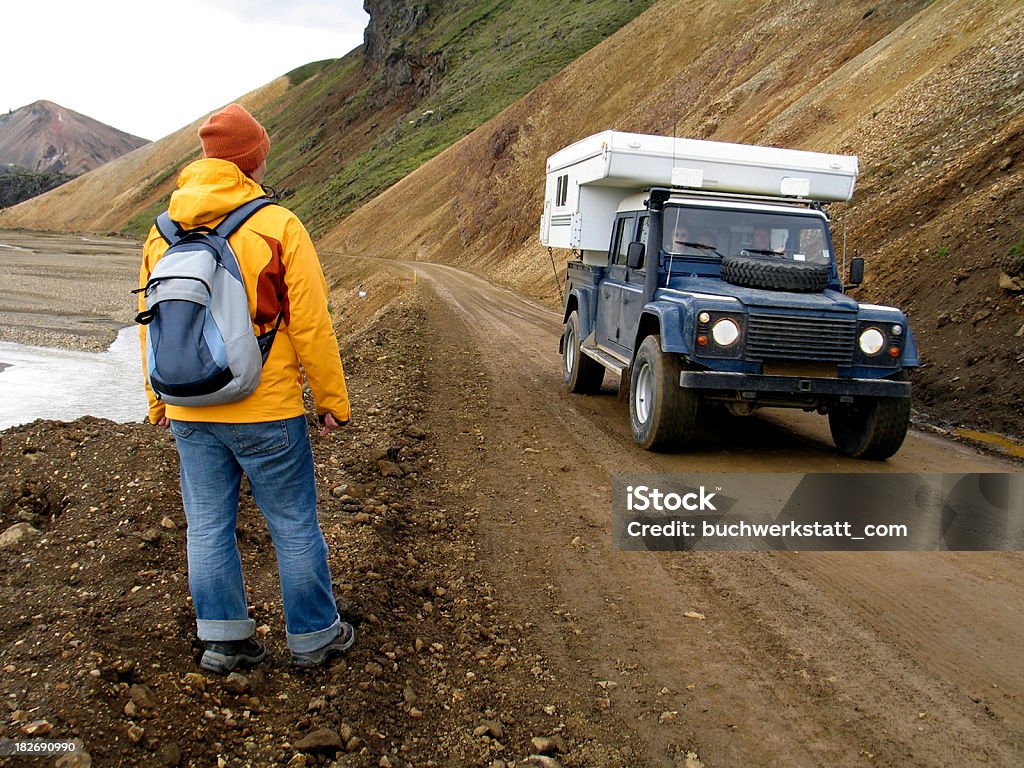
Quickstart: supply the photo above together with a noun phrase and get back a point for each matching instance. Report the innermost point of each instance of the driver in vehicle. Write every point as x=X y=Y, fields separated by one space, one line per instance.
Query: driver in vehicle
x=680 y=238
x=684 y=244
x=761 y=241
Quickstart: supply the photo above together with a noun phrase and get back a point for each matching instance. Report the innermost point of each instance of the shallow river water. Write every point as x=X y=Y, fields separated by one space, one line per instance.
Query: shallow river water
x=50 y=383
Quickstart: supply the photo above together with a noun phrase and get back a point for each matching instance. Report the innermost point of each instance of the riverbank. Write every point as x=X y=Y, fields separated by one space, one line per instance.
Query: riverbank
x=66 y=290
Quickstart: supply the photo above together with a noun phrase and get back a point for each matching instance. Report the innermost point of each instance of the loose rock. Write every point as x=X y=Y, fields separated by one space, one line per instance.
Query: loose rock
x=543 y=761
x=389 y=468
x=142 y=697
x=170 y=754
x=36 y=728
x=16 y=533
x=237 y=683
x=549 y=745
x=321 y=740
x=80 y=758
x=151 y=536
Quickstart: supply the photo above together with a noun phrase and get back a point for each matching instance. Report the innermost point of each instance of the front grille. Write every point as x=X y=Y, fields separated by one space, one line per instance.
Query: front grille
x=787 y=337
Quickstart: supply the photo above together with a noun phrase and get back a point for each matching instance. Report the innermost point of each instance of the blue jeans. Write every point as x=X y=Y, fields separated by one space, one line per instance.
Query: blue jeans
x=277 y=459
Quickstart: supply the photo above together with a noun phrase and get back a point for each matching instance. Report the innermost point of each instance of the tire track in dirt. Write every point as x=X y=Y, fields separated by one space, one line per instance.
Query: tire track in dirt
x=808 y=659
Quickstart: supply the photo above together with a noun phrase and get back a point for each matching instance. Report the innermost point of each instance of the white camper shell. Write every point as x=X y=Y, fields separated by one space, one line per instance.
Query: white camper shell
x=587 y=180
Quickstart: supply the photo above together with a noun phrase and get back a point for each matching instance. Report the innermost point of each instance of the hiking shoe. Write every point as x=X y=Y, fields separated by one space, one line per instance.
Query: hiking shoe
x=223 y=656
x=337 y=647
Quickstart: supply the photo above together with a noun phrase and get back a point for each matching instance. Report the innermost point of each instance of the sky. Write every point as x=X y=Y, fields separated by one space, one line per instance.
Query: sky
x=150 y=68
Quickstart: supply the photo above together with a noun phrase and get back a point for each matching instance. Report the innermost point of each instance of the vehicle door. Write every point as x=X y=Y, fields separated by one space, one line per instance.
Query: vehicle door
x=632 y=302
x=610 y=295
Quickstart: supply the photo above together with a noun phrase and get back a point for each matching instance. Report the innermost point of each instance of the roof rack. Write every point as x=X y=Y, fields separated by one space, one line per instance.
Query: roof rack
x=690 y=192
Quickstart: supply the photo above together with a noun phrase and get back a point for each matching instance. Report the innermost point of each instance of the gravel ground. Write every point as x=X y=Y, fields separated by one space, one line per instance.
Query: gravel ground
x=71 y=291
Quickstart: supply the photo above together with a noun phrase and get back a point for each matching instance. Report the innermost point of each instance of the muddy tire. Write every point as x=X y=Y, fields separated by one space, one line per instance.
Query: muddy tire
x=663 y=415
x=580 y=373
x=775 y=275
x=871 y=427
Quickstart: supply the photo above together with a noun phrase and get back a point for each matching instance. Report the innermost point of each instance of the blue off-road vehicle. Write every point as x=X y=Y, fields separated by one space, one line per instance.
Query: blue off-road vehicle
x=708 y=274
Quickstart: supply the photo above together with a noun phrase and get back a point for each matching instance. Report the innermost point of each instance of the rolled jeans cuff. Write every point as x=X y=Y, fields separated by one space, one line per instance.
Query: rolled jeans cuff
x=311 y=641
x=219 y=631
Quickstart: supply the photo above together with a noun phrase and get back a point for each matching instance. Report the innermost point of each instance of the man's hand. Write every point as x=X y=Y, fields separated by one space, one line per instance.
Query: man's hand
x=328 y=424
x=163 y=422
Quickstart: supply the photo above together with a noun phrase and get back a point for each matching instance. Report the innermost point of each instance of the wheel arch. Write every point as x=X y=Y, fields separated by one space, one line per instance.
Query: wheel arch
x=581 y=301
x=666 y=321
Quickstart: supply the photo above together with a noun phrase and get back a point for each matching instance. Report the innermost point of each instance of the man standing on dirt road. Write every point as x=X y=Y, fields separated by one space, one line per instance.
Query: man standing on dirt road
x=263 y=435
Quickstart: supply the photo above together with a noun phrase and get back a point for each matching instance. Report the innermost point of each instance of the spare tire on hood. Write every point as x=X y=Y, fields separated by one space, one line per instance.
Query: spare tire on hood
x=770 y=272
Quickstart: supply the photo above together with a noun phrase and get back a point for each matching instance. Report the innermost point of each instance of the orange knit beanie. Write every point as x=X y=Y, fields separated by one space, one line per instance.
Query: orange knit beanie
x=233 y=134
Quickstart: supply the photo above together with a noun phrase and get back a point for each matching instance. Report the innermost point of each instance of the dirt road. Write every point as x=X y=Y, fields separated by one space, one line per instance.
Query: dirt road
x=802 y=659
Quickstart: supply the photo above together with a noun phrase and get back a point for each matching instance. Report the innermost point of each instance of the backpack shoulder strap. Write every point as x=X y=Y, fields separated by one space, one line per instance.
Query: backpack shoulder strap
x=240 y=215
x=171 y=232
x=168 y=228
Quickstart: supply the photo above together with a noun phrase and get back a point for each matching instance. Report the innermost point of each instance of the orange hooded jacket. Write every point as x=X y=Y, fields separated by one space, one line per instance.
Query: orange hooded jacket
x=282 y=274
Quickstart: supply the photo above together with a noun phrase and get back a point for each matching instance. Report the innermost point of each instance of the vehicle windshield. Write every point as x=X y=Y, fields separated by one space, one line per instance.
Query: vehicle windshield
x=716 y=232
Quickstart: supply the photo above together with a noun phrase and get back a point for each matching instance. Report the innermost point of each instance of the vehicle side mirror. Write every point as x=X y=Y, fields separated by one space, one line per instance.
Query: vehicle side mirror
x=635 y=255
x=856 y=271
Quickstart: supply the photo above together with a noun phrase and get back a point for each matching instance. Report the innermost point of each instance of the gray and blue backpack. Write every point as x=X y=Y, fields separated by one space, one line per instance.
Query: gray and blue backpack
x=201 y=348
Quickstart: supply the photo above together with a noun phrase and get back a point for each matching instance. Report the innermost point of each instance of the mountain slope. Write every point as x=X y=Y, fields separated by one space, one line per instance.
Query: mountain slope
x=44 y=137
x=346 y=129
x=929 y=95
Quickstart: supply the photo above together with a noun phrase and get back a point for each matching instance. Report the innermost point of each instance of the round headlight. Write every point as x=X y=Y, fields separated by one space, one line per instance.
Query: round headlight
x=704 y=317
x=872 y=341
x=725 y=332
x=897 y=330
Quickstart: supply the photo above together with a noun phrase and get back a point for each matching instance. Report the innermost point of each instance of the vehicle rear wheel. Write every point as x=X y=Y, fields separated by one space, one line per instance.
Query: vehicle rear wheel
x=662 y=414
x=580 y=373
x=870 y=427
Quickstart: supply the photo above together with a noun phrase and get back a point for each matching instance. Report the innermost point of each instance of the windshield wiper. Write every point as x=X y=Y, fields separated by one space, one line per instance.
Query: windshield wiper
x=759 y=250
x=701 y=246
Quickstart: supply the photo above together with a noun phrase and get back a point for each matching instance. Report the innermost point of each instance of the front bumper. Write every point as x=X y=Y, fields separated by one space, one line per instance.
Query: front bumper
x=755 y=385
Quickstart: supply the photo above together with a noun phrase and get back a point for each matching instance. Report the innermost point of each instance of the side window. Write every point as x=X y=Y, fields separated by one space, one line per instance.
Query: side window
x=623 y=235
x=562 y=190
x=644 y=226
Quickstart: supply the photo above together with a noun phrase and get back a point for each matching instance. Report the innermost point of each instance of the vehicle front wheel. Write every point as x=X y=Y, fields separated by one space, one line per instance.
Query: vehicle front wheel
x=870 y=428
x=580 y=373
x=662 y=414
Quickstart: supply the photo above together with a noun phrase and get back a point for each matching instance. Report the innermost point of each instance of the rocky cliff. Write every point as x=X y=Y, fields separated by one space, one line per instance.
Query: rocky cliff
x=395 y=55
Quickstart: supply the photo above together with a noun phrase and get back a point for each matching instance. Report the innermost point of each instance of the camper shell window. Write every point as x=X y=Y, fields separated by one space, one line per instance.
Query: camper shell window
x=561 y=190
